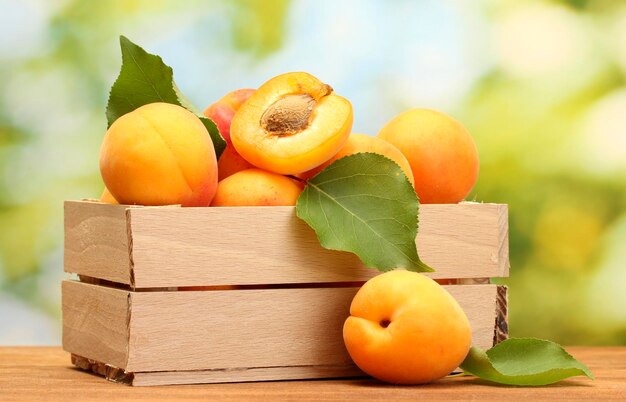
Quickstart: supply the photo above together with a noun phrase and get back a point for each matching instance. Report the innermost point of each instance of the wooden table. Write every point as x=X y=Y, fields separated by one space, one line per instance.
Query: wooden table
x=45 y=374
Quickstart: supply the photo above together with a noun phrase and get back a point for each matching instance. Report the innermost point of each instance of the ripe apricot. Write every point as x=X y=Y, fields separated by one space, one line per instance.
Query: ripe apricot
x=442 y=154
x=291 y=124
x=230 y=162
x=107 y=197
x=404 y=328
x=256 y=187
x=364 y=143
x=159 y=154
x=222 y=112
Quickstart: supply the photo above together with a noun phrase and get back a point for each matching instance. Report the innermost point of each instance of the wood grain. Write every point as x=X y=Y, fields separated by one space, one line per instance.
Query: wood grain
x=45 y=374
x=231 y=329
x=95 y=322
x=96 y=241
x=263 y=245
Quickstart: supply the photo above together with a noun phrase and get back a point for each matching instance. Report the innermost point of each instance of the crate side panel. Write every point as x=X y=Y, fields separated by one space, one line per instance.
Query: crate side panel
x=95 y=322
x=248 y=246
x=96 y=241
x=243 y=329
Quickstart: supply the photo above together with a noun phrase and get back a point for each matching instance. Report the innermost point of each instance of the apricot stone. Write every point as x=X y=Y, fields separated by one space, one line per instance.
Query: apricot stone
x=159 y=154
x=404 y=328
x=291 y=124
x=442 y=154
x=256 y=187
x=365 y=143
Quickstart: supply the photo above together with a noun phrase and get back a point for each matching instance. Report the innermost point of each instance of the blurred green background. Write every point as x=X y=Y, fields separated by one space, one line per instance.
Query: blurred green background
x=541 y=85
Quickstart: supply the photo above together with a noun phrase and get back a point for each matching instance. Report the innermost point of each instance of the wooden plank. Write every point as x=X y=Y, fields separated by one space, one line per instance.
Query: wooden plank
x=95 y=322
x=44 y=374
x=234 y=329
x=237 y=329
x=479 y=301
x=96 y=241
x=270 y=245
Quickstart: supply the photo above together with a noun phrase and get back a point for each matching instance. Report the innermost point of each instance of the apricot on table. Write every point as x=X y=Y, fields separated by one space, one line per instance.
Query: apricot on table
x=442 y=154
x=257 y=187
x=291 y=124
x=222 y=112
x=404 y=328
x=365 y=143
x=159 y=154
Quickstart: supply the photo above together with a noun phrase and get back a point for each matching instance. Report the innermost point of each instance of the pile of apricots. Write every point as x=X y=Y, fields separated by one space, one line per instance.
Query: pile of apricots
x=404 y=328
x=278 y=136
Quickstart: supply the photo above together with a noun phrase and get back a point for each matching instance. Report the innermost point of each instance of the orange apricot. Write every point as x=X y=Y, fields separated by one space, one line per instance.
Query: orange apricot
x=256 y=187
x=159 y=154
x=365 y=143
x=442 y=154
x=107 y=197
x=291 y=124
x=404 y=328
x=222 y=112
x=230 y=162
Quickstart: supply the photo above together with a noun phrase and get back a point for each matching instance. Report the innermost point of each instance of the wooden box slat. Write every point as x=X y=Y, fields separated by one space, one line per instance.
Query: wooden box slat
x=169 y=247
x=230 y=329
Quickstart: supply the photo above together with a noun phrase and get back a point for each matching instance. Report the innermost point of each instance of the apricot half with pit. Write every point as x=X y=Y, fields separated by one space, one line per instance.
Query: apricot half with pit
x=291 y=124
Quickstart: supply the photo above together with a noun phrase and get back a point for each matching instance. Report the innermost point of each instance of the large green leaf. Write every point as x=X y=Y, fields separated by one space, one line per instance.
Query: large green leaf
x=144 y=78
x=364 y=204
x=523 y=361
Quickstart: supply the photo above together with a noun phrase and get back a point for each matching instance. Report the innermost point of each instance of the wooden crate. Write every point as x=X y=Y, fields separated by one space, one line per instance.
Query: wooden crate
x=170 y=295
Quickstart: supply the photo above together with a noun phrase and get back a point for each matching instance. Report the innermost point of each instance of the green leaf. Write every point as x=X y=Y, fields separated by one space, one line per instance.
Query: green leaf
x=364 y=204
x=523 y=361
x=218 y=141
x=144 y=78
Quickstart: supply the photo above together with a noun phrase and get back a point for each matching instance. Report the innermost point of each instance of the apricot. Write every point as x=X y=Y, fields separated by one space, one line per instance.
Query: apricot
x=291 y=124
x=442 y=154
x=364 y=143
x=222 y=112
x=107 y=197
x=404 y=328
x=159 y=154
x=230 y=162
x=256 y=187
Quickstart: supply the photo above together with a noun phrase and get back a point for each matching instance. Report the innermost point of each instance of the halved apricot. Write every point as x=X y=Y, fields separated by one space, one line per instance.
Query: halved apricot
x=291 y=124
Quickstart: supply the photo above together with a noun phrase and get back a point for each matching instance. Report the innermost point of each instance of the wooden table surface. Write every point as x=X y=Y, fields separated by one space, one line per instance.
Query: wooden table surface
x=45 y=374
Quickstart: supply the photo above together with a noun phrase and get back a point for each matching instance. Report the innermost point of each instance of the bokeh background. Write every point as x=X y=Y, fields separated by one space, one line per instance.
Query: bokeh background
x=541 y=85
